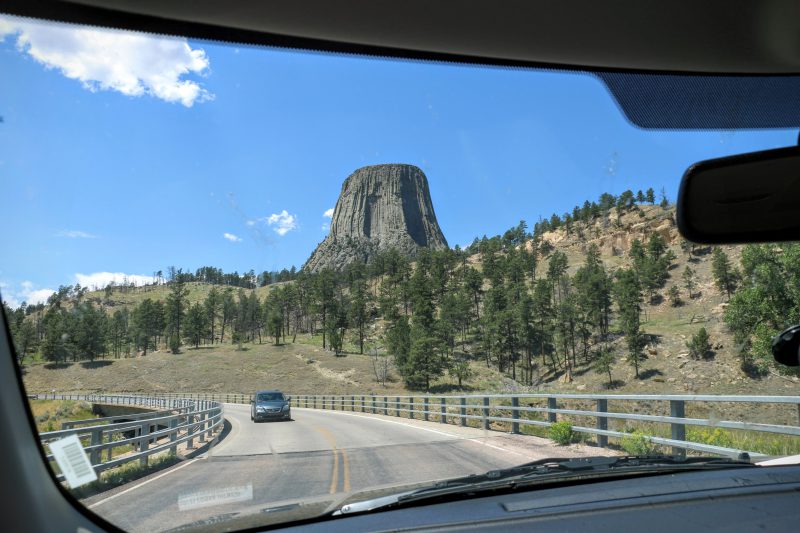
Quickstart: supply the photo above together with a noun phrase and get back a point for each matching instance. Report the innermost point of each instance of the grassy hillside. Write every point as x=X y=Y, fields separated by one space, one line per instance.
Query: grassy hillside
x=303 y=367
x=668 y=367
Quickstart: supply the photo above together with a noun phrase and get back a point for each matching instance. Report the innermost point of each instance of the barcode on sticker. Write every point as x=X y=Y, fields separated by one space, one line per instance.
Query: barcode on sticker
x=72 y=460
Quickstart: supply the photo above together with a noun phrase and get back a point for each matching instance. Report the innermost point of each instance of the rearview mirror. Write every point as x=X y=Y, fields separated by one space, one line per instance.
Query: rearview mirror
x=786 y=347
x=752 y=197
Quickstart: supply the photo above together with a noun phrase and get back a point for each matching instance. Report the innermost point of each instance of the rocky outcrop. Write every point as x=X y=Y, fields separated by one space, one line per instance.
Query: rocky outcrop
x=380 y=207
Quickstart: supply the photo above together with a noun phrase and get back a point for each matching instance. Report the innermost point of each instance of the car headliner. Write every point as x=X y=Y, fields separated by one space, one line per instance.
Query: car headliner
x=713 y=36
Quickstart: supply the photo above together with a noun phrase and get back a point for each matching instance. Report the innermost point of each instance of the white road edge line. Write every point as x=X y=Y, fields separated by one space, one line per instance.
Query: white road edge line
x=460 y=437
x=187 y=463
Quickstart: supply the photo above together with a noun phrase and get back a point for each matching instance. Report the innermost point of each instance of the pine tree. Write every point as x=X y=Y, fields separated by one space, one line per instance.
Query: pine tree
x=147 y=324
x=725 y=276
x=604 y=363
x=175 y=312
x=89 y=330
x=228 y=310
x=688 y=281
x=664 y=201
x=359 y=300
x=627 y=293
x=274 y=319
x=211 y=307
x=197 y=324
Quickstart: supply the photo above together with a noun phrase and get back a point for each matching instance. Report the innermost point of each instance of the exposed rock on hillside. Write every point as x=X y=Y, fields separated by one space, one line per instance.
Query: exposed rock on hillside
x=380 y=207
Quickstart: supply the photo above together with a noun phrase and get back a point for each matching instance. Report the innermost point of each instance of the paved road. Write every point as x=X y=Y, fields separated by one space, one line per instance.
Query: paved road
x=317 y=454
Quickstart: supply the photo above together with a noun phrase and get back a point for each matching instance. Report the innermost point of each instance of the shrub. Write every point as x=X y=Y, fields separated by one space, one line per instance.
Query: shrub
x=699 y=346
x=712 y=436
x=637 y=443
x=561 y=432
x=674 y=296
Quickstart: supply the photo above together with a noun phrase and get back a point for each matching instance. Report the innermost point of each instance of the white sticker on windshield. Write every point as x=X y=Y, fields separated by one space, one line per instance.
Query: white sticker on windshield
x=72 y=460
x=205 y=498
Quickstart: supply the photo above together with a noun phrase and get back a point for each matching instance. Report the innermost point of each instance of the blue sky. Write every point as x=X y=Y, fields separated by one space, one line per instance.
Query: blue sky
x=123 y=154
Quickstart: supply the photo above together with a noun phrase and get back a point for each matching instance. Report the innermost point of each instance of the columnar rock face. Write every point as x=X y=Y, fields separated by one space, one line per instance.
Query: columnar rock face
x=380 y=207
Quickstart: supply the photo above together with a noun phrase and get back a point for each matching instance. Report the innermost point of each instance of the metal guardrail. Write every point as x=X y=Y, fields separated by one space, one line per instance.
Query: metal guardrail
x=173 y=421
x=515 y=410
x=508 y=409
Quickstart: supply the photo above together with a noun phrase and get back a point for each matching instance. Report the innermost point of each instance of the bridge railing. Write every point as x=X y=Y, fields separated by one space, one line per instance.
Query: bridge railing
x=587 y=413
x=513 y=412
x=173 y=421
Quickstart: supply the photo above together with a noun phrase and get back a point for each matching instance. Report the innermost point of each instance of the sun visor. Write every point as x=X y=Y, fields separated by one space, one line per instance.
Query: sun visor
x=698 y=102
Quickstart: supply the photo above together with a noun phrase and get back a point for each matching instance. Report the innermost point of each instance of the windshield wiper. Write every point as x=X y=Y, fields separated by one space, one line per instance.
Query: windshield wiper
x=552 y=469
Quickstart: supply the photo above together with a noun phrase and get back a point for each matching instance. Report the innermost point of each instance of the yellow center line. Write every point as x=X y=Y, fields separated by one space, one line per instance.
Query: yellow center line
x=335 y=478
x=345 y=467
x=346 y=470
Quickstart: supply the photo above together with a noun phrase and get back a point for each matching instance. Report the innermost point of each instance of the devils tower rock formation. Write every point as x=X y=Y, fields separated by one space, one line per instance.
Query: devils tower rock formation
x=380 y=207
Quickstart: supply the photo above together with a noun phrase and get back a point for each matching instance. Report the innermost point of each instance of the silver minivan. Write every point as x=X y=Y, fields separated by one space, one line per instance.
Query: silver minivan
x=270 y=405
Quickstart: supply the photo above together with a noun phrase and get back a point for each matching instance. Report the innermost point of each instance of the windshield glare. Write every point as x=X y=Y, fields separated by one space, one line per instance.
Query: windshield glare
x=450 y=269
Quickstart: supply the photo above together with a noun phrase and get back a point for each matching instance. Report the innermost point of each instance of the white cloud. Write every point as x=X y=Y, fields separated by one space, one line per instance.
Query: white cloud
x=133 y=64
x=250 y=223
x=328 y=213
x=283 y=222
x=98 y=280
x=75 y=234
x=325 y=226
x=231 y=237
x=26 y=292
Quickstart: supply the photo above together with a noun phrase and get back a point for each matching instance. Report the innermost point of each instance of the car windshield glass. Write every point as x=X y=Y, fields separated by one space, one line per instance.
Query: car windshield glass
x=449 y=268
x=270 y=397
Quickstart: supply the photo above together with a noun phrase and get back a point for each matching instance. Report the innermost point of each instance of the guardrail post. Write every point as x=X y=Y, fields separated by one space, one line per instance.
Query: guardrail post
x=677 y=409
x=110 y=452
x=425 y=408
x=463 y=417
x=411 y=407
x=203 y=417
x=173 y=435
x=551 y=404
x=97 y=438
x=443 y=411
x=190 y=442
x=385 y=406
x=515 y=415
x=372 y=399
x=485 y=412
x=397 y=406
x=144 y=442
x=602 y=422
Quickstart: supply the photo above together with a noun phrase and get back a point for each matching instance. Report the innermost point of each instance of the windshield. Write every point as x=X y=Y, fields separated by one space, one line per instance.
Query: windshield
x=448 y=268
x=270 y=397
